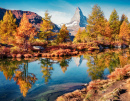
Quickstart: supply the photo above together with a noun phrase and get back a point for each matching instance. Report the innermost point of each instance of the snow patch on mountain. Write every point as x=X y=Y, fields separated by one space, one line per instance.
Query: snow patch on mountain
x=72 y=24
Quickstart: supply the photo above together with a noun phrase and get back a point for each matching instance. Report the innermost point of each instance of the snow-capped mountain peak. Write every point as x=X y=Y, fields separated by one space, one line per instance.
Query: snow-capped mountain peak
x=79 y=17
x=77 y=21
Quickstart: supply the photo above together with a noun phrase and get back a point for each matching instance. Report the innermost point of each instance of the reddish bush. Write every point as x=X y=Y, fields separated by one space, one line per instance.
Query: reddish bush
x=127 y=68
x=119 y=73
x=93 y=85
x=19 y=55
x=13 y=55
x=60 y=55
x=52 y=55
x=48 y=55
x=28 y=55
x=44 y=55
x=37 y=55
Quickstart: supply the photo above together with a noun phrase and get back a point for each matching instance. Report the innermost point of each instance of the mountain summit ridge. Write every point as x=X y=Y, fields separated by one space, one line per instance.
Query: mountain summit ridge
x=77 y=21
x=79 y=17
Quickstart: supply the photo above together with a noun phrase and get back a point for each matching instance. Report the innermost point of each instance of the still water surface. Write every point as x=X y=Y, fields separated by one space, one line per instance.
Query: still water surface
x=45 y=79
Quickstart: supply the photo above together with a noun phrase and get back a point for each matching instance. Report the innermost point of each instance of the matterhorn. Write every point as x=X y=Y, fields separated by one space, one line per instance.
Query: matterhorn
x=77 y=21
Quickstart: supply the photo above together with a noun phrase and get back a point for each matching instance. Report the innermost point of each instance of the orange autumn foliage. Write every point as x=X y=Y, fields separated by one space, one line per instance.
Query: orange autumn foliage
x=107 y=30
x=124 y=31
x=24 y=84
x=25 y=32
x=123 y=60
x=119 y=73
x=93 y=84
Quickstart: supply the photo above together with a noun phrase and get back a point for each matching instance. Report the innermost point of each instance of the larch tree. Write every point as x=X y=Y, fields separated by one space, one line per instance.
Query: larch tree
x=114 y=24
x=46 y=27
x=25 y=31
x=63 y=35
x=124 y=18
x=96 y=22
x=77 y=36
x=124 y=31
x=107 y=34
x=107 y=30
x=84 y=36
x=7 y=28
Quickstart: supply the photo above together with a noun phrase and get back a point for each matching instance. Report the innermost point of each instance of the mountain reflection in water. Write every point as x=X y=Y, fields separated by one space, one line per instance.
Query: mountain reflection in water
x=37 y=78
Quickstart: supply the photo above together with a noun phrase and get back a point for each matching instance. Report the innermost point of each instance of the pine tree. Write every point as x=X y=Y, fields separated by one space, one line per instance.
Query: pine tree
x=46 y=27
x=124 y=31
x=25 y=31
x=114 y=24
x=7 y=28
x=77 y=36
x=96 y=22
x=63 y=35
x=124 y=18
x=84 y=36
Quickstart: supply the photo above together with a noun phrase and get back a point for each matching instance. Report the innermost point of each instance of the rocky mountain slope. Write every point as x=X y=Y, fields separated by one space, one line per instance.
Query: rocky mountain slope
x=34 y=18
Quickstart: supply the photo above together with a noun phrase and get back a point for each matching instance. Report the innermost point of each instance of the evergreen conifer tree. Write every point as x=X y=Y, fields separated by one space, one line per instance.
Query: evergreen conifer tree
x=114 y=24
x=7 y=28
x=46 y=27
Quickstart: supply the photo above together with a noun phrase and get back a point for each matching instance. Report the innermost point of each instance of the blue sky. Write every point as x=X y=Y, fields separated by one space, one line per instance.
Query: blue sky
x=63 y=10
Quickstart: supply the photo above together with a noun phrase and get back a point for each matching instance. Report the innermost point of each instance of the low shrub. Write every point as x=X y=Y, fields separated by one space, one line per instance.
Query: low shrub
x=15 y=50
x=119 y=73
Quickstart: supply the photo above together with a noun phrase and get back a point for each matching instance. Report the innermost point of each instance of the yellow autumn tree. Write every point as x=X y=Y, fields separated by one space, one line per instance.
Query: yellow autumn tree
x=123 y=60
x=84 y=36
x=25 y=32
x=124 y=31
x=7 y=28
x=124 y=18
x=77 y=36
x=114 y=24
x=63 y=36
x=96 y=22
x=46 y=27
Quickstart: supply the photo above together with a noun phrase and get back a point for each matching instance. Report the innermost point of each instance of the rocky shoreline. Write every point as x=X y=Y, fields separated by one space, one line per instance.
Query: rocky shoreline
x=116 y=87
x=53 y=51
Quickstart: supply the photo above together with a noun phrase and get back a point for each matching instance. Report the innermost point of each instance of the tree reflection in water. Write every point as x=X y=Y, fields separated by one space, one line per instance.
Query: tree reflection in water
x=8 y=67
x=110 y=59
x=24 y=79
x=64 y=63
x=13 y=69
x=46 y=66
x=96 y=63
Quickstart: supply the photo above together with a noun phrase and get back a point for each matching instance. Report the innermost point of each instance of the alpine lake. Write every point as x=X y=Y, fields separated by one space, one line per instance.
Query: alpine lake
x=44 y=79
